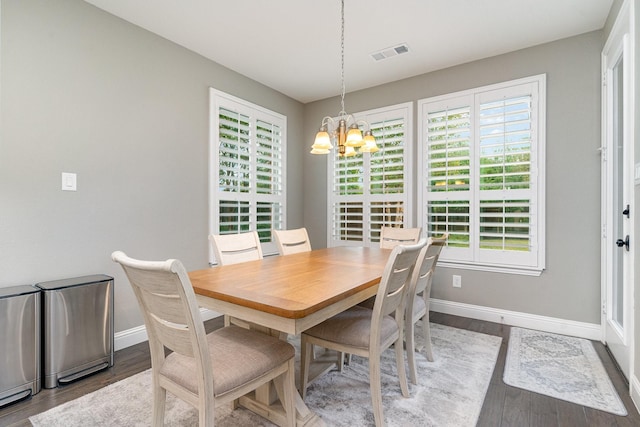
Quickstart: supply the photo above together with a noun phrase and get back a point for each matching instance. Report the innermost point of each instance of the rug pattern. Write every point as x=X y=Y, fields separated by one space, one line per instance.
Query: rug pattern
x=450 y=392
x=559 y=366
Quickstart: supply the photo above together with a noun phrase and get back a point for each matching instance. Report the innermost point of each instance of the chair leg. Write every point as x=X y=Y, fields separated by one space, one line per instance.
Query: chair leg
x=206 y=415
x=426 y=330
x=340 y=361
x=376 y=390
x=285 y=386
x=159 y=401
x=402 y=373
x=411 y=350
x=305 y=360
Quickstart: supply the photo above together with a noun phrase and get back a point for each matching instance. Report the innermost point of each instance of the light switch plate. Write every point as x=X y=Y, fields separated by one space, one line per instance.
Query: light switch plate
x=69 y=181
x=457 y=281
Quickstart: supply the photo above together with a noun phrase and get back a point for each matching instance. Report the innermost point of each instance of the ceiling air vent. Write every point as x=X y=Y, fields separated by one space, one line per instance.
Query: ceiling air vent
x=390 y=51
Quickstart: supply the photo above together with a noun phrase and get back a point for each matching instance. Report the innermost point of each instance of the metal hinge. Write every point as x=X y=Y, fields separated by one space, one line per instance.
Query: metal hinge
x=603 y=153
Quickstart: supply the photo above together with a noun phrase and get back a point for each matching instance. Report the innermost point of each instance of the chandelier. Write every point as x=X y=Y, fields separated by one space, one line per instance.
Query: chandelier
x=345 y=131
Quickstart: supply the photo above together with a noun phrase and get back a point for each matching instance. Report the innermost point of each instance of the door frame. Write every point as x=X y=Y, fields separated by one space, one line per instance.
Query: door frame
x=619 y=43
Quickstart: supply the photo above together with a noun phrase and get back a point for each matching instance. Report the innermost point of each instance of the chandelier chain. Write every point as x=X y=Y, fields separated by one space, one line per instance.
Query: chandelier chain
x=343 y=112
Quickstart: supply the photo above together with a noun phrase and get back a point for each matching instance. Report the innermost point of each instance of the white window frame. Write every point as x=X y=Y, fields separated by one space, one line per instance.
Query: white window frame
x=402 y=111
x=218 y=100
x=474 y=258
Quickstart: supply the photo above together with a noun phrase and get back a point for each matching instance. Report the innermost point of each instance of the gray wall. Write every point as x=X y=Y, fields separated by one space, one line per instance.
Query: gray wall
x=569 y=288
x=86 y=92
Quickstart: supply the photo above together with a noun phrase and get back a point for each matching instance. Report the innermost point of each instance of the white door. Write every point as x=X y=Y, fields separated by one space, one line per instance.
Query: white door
x=617 y=193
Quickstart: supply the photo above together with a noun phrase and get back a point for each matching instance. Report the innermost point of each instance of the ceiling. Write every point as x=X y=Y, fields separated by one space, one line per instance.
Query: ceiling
x=293 y=46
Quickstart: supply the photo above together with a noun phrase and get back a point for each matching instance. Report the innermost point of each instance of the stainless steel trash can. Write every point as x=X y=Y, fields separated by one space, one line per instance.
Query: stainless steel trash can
x=20 y=311
x=77 y=328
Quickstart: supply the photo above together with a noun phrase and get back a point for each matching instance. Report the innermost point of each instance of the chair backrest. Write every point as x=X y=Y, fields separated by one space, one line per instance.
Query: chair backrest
x=426 y=265
x=292 y=241
x=171 y=315
x=236 y=248
x=395 y=282
x=393 y=236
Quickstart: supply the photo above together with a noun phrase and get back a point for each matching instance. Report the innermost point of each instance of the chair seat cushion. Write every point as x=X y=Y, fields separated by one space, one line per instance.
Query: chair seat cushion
x=353 y=327
x=419 y=308
x=238 y=355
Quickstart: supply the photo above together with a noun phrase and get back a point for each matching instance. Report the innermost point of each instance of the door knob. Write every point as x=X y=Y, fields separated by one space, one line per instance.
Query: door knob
x=620 y=243
x=626 y=212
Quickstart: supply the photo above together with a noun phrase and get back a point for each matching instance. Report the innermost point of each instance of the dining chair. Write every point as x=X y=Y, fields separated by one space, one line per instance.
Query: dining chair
x=236 y=248
x=205 y=370
x=418 y=300
x=368 y=332
x=292 y=241
x=393 y=236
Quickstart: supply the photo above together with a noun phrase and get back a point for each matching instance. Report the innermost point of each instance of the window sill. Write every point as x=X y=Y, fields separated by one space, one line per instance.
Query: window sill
x=522 y=271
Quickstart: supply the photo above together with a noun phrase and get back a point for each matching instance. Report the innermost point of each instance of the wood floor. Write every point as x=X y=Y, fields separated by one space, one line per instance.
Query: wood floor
x=503 y=405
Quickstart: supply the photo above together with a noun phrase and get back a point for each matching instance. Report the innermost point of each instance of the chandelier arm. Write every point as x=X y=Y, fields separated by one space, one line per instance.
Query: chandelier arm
x=346 y=117
x=364 y=123
x=326 y=121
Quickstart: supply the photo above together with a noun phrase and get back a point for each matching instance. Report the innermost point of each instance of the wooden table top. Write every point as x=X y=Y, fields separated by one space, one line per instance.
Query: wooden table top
x=294 y=286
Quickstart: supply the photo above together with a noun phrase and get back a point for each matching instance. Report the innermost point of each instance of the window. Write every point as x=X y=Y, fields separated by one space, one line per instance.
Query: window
x=368 y=191
x=247 y=169
x=482 y=175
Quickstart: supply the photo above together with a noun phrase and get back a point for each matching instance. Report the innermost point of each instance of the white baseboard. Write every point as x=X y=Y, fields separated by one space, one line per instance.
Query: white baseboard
x=138 y=334
x=635 y=392
x=591 y=331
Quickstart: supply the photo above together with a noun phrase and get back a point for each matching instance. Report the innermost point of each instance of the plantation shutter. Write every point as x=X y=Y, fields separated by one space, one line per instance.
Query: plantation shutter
x=482 y=151
x=349 y=192
x=505 y=166
x=507 y=173
x=448 y=154
x=247 y=169
x=370 y=190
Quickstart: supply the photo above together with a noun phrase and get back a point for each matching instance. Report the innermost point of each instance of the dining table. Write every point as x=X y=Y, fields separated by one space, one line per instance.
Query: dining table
x=286 y=295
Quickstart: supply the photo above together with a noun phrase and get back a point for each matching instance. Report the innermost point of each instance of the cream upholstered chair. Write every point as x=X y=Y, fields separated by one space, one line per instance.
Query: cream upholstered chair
x=393 y=236
x=418 y=298
x=390 y=237
x=204 y=370
x=233 y=249
x=292 y=241
x=368 y=332
x=236 y=248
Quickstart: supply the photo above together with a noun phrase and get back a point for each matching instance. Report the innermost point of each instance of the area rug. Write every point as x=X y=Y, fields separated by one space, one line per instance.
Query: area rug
x=559 y=366
x=451 y=392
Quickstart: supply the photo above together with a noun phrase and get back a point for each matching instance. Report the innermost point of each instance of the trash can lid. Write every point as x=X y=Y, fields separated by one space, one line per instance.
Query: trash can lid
x=75 y=281
x=13 y=291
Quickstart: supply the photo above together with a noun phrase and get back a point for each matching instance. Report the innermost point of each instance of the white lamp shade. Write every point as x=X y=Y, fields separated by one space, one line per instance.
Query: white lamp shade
x=370 y=145
x=349 y=151
x=354 y=137
x=323 y=141
x=319 y=151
